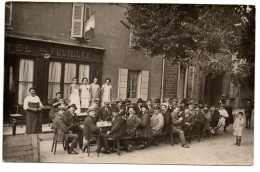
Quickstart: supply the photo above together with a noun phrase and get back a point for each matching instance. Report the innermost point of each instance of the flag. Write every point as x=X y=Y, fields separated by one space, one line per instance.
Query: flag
x=89 y=27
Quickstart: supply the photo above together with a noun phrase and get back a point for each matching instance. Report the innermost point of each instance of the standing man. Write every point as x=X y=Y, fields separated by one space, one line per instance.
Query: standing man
x=95 y=91
x=33 y=107
x=139 y=108
x=248 y=112
x=149 y=105
x=177 y=120
x=230 y=118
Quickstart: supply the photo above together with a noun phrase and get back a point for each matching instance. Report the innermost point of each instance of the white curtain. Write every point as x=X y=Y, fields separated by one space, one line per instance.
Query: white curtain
x=25 y=79
x=54 y=80
x=83 y=72
x=69 y=73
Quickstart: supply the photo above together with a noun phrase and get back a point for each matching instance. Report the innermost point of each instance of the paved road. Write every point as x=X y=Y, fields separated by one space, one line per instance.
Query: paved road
x=217 y=150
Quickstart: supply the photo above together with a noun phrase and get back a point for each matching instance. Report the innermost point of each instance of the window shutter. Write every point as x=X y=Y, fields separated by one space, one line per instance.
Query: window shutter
x=77 y=20
x=144 y=84
x=122 y=83
x=8 y=13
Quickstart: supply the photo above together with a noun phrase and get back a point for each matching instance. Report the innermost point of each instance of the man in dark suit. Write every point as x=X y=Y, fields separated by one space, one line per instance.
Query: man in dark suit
x=117 y=129
x=71 y=121
x=64 y=134
x=139 y=108
x=104 y=113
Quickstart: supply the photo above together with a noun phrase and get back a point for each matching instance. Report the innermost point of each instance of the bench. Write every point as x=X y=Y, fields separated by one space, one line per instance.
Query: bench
x=117 y=140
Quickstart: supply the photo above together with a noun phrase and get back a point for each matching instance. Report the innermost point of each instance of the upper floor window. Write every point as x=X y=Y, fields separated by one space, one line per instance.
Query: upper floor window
x=8 y=14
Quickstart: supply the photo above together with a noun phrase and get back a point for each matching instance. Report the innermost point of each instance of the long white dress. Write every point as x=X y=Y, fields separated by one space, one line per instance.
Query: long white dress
x=85 y=96
x=106 y=93
x=74 y=97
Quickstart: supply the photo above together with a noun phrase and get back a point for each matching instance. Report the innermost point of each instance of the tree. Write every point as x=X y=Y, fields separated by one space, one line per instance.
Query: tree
x=204 y=35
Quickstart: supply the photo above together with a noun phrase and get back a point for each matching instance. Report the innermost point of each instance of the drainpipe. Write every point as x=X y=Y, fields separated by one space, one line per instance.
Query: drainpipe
x=163 y=67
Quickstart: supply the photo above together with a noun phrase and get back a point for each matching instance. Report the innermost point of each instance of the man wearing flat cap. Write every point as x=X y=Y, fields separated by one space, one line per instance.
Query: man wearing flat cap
x=64 y=134
x=117 y=129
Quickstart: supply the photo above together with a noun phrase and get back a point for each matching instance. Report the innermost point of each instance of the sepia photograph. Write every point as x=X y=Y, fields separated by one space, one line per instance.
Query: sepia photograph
x=129 y=83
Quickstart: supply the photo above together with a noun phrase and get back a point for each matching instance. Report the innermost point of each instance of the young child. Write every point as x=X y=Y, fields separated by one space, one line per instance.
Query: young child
x=238 y=127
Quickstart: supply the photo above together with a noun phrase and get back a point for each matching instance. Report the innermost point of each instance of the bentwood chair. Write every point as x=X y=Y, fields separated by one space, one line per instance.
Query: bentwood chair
x=56 y=141
x=93 y=142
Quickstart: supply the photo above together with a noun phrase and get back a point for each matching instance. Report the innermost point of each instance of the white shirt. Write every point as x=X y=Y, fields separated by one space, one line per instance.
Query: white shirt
x=31 y=99
x=223 y=113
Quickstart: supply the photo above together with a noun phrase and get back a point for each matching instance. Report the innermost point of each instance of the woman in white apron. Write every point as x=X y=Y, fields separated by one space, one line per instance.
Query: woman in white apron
x=74 y=93
x=85 y=95
x=106 y=91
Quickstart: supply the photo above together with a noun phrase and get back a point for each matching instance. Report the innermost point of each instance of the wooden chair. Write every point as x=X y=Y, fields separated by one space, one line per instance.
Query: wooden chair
x=56 y=141
x=17 y=117
x=93 y=142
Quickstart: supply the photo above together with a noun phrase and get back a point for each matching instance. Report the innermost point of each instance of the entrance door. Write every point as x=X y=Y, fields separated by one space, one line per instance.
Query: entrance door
x=212 y=89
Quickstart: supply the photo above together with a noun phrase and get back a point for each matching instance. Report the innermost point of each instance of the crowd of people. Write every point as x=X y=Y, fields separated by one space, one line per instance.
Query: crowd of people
x=140 y=122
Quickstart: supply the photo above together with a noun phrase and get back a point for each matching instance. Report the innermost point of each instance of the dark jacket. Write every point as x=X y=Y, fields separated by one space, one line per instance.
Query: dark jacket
x=132 y=125
x=199 y=118
x=230 y=118
x=118 y=127
x=249 y=109
x=60 y=127
x=176 y=124
x=105 y=115
x=138 y=111
x=167 y=121
x=90 y=129
x=70 y=119
x=214 y=118
x=145 y=124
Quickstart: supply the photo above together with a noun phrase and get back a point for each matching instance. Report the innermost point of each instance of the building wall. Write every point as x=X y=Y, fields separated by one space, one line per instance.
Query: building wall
x=53 y=21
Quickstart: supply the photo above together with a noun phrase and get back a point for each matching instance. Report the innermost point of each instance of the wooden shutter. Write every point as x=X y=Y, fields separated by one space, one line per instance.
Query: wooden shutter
x=8 y=13
x=191 y=81
x=144 y=84
x=77 y=20
x=122 y=83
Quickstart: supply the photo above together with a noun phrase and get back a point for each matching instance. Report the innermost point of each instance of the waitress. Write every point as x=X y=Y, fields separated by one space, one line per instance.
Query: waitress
x=33 y=106
x=58 y=101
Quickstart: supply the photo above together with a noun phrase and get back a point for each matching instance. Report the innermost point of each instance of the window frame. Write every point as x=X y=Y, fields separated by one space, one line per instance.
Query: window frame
x=137 y=72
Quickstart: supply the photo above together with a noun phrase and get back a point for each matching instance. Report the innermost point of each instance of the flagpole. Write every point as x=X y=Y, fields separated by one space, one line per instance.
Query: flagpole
x=89 y=17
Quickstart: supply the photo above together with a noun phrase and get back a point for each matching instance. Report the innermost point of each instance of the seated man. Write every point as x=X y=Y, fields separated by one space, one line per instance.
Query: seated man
x=167 y=118
x=177 y=120
x=64 y=134
x=104 y=113
x=133 y=123
x=214 y=119
x=157 y=123
x=117 y=129
x=90 y=129
x=207 y=116
x=71 y=121
x=188 y=122
x=199 y=122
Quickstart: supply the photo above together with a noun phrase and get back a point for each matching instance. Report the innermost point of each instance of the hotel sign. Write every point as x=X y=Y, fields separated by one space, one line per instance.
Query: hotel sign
x=54 y=50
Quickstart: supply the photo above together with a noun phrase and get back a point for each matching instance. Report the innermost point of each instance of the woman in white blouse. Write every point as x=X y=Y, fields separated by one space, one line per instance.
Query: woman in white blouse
x=33 y=106
x=85 y=95
x=106 y=91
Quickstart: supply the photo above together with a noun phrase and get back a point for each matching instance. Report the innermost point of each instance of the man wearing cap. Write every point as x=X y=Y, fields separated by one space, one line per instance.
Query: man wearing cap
x=145 y=126
x=157 y=102
x=157 y=123
x=138 y=108
x=248 y=113
x=149 y=105
x=119 y=105
x=63 y=132
x=230 y=118
x=167 y=118
x=176 y=120
x=117 y=129
x=71 y=121
x=207 y=117
x=104 y=113
x=133 y=122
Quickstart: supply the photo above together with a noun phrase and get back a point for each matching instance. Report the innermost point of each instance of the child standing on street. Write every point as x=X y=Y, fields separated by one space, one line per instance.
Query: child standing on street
x=238 y=127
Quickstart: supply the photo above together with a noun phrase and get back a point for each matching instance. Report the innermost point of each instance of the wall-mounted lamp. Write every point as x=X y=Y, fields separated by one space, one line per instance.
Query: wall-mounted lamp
x=47 y=56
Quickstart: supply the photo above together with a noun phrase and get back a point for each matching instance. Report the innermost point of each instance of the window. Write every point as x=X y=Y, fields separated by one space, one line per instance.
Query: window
x=26 y=70
x=69 y=73
x=77 y=20
x=132 y=39
x=83 y=72
x=190 y=82
x=54 y=80
x=132 y=84
x=8 y=14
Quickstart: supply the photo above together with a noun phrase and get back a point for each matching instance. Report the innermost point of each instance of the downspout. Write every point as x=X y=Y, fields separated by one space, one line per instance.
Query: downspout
x=162 y=85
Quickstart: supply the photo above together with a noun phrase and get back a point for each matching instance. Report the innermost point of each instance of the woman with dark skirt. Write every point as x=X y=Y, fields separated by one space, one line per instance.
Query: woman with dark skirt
x=33 y=106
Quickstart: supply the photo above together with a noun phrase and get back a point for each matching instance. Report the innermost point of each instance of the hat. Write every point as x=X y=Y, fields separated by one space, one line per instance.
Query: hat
x=157 y=101
x=139 y=100
x=72 y=105
x=144 y=106
x=132 y=106
x=156 y=107
x=127 y=101
x=61 y=107
x=91 y=108
x=183 y=101
x=164 y=104
x=119 y=100
x=114 y=109
x=206 y=105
